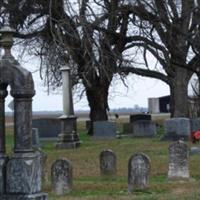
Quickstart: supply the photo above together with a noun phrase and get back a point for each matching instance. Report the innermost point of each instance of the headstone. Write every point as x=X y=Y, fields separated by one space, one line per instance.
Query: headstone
x=178 y=161
x=61 y=176
x=104 y=130
x=194 y=150
x=195 y=124
x=177 y=128
x=108 y=162
x=144 y=128
x=138 y=172
x=35 y=138
x=137 y=117
x=141 y=128
x=47 y=127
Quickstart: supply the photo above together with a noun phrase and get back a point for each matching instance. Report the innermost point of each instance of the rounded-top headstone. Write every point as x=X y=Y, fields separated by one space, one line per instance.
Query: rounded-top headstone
x=108 y=162
x=138 y=172
x=61 y=176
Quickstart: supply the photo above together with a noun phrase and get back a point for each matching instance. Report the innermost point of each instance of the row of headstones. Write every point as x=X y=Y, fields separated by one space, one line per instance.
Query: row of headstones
x=138 y=168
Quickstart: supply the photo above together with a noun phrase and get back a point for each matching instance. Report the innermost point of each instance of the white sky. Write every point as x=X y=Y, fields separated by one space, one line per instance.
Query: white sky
x=140 y=89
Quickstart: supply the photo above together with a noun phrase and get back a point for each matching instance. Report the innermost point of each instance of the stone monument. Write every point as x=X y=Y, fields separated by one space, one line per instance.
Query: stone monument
x=68 y=138
x=138 y=172
x=21 y=172
x=61 y=176
x=178 y=161
x=108 y=162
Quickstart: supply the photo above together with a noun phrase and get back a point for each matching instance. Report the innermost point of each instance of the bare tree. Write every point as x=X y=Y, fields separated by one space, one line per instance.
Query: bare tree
x=99 y=38
x=169 y=31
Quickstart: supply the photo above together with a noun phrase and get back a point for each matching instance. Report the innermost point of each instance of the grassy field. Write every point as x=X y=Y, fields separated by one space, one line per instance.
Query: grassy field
x=88 y=184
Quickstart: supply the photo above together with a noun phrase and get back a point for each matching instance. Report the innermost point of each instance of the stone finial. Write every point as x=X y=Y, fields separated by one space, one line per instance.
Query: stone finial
x=7 y=40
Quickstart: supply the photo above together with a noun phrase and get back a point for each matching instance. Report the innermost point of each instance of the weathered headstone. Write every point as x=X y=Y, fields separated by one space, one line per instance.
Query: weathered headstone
x=61 y=176
x=35 y=138
x=140 y=128
x=194 y=150
x=178 y=161
x=177 y=128
x=195 y=124
x=137 y=117
x=104 y=130
x=47 y=127
x=138 y=172
x=108 y=163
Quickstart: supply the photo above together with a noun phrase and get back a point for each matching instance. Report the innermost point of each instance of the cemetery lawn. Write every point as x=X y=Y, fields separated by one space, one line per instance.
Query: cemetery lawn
x=88 y=185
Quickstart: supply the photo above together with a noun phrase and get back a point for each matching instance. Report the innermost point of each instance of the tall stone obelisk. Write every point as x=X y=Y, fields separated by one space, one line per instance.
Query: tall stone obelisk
x=68 y=138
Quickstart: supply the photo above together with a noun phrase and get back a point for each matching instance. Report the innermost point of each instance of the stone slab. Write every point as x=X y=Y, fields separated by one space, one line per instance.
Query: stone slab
x=141 y=128
x=104 y=130
x=195 y=124
x=194 y=150
x=177 y=128
x=47 y=127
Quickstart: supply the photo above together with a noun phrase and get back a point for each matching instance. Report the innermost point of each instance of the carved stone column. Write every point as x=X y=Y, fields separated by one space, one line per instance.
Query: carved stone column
x=68 y=138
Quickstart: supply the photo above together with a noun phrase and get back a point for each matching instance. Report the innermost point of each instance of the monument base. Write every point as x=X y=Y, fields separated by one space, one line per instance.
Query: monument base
x=39 y=196
x=68 y=138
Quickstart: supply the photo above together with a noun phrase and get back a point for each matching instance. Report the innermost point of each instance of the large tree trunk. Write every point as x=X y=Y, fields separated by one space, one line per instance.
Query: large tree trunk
x=179 y=94
x=98 y=103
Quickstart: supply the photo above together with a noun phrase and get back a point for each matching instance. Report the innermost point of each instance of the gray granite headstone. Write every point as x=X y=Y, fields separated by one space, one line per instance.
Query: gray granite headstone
x=137 y=117
x=178 y=161
x=47 y=127
x=61 y=176
x=140 y=128
x=138 y=172
x=108 y=162
x=195 y=124
x=35 y=138
x=144 y=128
x=194 y=150
x=177 y=128
x=104 y=130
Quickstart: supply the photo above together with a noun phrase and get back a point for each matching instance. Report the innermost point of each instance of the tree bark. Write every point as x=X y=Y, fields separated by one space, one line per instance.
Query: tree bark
x=179 y=94
x=98 y=102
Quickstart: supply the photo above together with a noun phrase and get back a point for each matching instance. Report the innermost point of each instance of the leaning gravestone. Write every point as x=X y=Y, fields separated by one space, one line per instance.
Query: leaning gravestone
x=138 y=172
x=177 y=128
x=104 y=130
x=178 y=161
x=108 y=162
x=61 y=176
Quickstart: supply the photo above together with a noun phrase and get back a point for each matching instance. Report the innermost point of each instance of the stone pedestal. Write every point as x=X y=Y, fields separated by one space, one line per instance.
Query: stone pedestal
x=68 y=138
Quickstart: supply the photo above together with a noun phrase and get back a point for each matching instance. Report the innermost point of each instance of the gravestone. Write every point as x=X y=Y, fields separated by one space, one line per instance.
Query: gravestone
x=144 y=128
x=47 y=127
x=194 y=150
x=140 y=128
x=35 y=138
x=177 y=128
x=195 y=124
x=104 y=130
x=136 y=117
x=20 y=172
x=61 y=176
x=108 y=163
x=138 y=172
x=178 y=161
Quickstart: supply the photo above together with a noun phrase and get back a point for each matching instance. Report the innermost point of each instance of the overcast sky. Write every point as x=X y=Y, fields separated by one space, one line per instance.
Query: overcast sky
x=138 y=92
